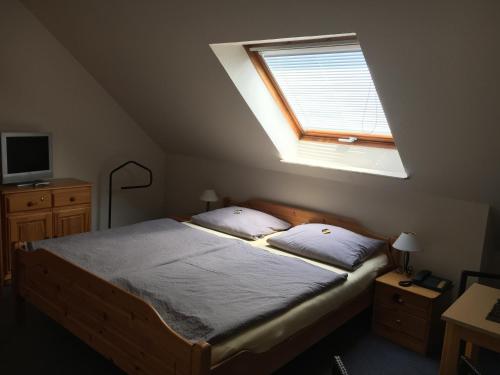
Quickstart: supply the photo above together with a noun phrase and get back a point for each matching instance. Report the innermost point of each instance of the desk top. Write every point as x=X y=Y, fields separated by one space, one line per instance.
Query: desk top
x=471 y=309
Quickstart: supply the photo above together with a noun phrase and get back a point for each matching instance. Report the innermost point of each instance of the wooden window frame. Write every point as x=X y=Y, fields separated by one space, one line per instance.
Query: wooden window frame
x=363 y=139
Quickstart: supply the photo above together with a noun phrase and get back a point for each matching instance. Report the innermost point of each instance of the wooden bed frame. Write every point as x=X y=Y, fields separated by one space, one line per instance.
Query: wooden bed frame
x=128 y=330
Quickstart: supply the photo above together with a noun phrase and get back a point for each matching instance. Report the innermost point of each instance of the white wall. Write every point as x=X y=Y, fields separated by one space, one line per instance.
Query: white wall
x=436 y=73
x=433 y=62
x=43 y=88
x=450 y=231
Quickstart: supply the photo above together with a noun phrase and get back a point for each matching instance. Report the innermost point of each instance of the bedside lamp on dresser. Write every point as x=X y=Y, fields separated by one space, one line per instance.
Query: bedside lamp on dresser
x=209 y=196
x=405 y=313
x=406 y=243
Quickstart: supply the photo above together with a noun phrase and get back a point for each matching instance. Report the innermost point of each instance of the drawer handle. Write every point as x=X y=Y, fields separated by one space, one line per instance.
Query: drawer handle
x=72 y=199
x=398 y=321
x=398 y=299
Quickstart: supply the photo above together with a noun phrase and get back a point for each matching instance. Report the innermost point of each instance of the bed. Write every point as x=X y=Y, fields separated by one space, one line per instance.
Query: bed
x=132 y=333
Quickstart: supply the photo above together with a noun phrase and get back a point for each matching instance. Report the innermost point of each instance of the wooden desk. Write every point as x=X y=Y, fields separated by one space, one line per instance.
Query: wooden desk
x=466 y=320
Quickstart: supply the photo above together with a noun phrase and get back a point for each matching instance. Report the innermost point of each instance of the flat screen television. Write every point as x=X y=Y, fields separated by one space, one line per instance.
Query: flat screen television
x=26 y=157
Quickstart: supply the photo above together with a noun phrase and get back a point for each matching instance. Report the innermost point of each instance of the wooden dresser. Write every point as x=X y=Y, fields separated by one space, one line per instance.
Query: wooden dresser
x=409 y=316
x=35 y=213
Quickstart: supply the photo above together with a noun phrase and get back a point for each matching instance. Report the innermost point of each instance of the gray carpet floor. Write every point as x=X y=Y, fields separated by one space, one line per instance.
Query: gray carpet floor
x=41 y=346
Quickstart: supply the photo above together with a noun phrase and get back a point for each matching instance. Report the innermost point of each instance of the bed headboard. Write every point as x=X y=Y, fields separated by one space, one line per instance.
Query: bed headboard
x=297 y=216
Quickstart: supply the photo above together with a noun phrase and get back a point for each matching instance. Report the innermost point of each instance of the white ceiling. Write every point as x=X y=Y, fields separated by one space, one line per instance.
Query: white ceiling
x=435 y=64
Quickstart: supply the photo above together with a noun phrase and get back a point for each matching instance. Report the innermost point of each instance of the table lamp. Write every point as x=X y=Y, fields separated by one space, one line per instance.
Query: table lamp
x=209 y=196
x=406 y=243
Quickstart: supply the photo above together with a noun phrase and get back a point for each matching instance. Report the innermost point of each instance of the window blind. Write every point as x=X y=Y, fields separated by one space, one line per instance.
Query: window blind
x=328 y=88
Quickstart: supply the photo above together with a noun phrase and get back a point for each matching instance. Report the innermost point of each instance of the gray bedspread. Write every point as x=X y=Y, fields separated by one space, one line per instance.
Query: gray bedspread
x=204 y=286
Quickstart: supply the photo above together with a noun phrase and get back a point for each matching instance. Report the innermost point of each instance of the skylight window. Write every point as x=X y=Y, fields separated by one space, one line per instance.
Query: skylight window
x=315 y=99
x=325 y=90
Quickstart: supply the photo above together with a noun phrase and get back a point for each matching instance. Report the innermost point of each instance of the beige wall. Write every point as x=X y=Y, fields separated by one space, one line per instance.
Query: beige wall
x=450 y=231
x=435 y=91
x=432 y=62
x=43 y=88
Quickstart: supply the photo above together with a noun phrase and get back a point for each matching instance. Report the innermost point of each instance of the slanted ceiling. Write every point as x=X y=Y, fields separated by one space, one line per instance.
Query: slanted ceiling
x=435 y=64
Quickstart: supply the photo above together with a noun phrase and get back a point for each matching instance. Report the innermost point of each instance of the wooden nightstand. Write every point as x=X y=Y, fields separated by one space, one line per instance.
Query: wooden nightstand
x=409 y=316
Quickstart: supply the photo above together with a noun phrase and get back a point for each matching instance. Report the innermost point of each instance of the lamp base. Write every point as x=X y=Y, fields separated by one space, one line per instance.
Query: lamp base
x=407 y=269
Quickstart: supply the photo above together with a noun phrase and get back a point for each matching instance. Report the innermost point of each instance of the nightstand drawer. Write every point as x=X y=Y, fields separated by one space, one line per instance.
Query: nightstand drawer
x=28 y=201
x=402 y=322
x=69 y=197
x=400 y=338
x=400 y=300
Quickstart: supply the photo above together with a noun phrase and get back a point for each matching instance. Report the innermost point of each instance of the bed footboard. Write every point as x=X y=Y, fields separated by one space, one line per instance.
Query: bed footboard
x=119 y=325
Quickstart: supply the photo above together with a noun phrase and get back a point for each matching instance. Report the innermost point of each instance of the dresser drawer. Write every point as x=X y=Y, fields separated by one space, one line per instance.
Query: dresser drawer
x=69 y=197
x=28 y=201
x=399 y=300
x=402 y=321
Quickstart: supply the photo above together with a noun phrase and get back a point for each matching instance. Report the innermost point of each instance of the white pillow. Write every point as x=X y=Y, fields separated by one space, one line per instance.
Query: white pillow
x=328 y=244
x=241 y=222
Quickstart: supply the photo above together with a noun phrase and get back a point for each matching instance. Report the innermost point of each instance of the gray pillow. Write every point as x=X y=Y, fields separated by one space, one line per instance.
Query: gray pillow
x=241 y=222
x=328 y=244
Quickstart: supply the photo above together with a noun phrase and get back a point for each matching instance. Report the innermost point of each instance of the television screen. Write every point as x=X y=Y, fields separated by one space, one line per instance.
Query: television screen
x=27 y=154
x=26 y=157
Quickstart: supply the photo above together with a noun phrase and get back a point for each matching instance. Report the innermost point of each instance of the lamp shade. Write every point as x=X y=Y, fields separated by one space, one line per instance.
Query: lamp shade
x=209 y=196
x=407 y=242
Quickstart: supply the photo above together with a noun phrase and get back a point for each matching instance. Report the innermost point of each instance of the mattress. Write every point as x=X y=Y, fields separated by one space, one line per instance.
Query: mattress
x=266 y=335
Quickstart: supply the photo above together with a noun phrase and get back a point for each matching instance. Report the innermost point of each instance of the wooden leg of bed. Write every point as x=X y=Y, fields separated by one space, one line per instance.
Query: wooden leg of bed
x=201 y=359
